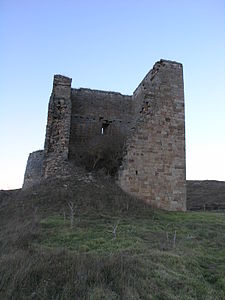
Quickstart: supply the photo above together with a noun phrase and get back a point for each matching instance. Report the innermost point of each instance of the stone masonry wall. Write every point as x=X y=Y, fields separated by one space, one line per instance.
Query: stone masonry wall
x=151 y=121
x=33 y=171
x=154 y=166
x=58 y=127
x=96 y=114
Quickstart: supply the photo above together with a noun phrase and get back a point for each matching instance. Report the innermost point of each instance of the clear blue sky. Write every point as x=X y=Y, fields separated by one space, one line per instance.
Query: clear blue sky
x=110 y=45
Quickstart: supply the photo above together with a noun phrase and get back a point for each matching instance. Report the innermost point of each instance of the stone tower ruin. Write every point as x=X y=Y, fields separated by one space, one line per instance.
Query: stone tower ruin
x=151 y=121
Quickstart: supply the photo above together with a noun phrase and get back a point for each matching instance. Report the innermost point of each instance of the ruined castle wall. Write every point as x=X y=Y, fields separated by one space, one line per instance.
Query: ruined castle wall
x=58 y=127
x=33 y=171
x=154 y=166
x=151 y=122
x=96 y=115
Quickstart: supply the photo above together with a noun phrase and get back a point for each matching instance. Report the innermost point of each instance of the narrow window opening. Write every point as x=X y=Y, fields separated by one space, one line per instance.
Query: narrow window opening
x=104 y=128
x=136 y=172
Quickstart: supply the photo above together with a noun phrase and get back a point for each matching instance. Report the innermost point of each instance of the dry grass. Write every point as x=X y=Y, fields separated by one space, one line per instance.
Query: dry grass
x=44 y=257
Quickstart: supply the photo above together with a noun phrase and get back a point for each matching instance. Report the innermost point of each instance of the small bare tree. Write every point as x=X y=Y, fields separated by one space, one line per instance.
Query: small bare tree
x=72 y=213
x=171 y=241
x=64 y=216
x=35 y=216
x=114 y=231
x=174 y=239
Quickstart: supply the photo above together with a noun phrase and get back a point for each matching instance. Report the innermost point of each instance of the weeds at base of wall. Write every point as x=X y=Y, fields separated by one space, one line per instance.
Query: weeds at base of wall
x=103 y=153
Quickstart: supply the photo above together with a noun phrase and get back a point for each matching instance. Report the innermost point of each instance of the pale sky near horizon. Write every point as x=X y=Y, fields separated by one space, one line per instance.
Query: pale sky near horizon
x=110 y=45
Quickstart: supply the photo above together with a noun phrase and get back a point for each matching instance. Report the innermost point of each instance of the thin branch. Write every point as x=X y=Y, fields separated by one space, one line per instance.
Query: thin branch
x=174 y=239
x=71 y=207
x=115 y=229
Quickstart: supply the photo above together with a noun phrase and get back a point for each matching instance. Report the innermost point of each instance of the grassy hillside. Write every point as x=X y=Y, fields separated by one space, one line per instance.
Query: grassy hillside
x=111 y=247
x=205 y=194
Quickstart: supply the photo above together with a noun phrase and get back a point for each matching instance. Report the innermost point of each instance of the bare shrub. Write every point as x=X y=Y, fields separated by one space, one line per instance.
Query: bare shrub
x=72 y=213
x=103 y=152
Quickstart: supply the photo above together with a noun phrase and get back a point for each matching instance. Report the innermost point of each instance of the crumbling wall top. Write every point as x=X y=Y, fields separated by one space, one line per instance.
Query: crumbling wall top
x=62 y=80
x=91 y=91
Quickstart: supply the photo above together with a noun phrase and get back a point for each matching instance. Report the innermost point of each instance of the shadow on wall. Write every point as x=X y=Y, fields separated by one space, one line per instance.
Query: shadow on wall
x=102 y=152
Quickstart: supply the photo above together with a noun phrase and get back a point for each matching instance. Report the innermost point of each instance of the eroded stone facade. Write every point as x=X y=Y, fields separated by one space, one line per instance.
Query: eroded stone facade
x=151 y=120
x=154 y=166
x=34 y=169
